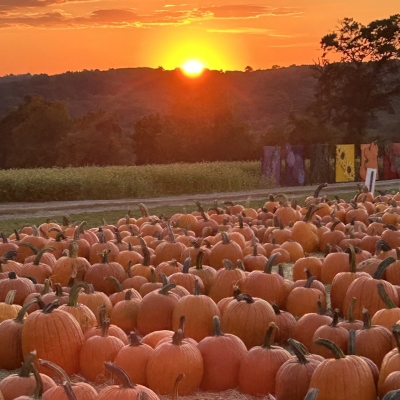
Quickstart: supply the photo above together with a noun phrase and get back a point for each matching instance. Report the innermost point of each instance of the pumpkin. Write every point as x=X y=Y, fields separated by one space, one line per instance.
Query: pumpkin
x=10 y=337
x=221 y=352
x=49 y=330
x=294 y=375
x=155 y=311
x=127 y=390
x=94 y=300
x=364 y=289
x=373 y=341
x=187 y=359
x=225 y=249
x=70 y=264
x=199 y=311
x=351 y=323
x=24 y=383
x=95 y=351
x=140 y=353
x=204 y=272
x=225 y=279
x=260 y=365
x=82 y=313
x=248 y=318
x=97 y=272
x=23 y=286
x=81 y=390
x=388 y=316
x=353 y=373
x=303 y=300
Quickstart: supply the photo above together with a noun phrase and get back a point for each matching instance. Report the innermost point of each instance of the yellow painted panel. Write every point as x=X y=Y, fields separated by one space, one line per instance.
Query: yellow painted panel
x=344 y=162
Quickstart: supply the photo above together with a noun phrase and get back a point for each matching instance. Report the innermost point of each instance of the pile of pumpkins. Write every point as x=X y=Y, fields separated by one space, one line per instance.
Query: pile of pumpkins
x=200 y=302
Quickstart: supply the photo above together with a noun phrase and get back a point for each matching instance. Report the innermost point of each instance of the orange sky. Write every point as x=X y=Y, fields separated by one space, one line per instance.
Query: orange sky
x=54 y=36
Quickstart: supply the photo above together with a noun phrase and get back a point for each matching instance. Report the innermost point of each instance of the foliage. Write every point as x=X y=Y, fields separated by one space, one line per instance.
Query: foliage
x=91 y=183
x=365 y=80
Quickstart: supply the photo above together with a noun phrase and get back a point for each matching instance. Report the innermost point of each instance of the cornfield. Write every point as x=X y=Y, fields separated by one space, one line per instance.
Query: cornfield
x=102 y=183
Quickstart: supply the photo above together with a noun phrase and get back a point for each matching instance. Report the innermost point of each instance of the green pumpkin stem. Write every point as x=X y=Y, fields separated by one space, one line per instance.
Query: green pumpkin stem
x=351 y=349
x=367 y=319
x=382 y=267
x=74 y=293
x=178 y=337
x=26 y=365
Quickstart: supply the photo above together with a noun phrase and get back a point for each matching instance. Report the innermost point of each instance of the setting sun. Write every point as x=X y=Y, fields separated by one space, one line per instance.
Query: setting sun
x=193 y=67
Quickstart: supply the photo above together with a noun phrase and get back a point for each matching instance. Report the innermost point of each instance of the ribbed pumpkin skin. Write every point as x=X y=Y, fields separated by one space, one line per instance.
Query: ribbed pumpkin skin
x=199 y=311
x=10 y=339
x=258 y=369
x=95 y=351
x=83 y=391
x=155 y=312
x=348 y=378
x=121 y=393
x=83 y=314
x=221 y=353
x=13 y=386
x=133 y=360
x=292 y=379
x=248 y=321
x=168 y=361
x=50 y=334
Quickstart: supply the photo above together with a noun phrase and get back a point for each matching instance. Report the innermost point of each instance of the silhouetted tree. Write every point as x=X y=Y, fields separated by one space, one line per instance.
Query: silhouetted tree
x=365 y=80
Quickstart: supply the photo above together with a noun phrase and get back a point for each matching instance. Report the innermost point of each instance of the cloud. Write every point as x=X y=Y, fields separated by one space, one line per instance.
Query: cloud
x=57 y=18
x=251 y=31
x=243 y=11
x=14 y=4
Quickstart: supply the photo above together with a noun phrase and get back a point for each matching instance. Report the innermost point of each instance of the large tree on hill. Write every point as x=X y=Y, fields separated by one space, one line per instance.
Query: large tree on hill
x=363 y=79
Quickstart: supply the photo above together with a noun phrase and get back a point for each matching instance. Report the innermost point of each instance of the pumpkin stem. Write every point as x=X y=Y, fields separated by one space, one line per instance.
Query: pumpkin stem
x=104 y=327
x=26 y=365
x=199 y=260
x=217 y=326
x=382 y=267
x=246 y=297
x=269 y=336
x=178 y=337
x=176 y=386
x=352 y=258
x=104 y=256
x=396 y=334
x=228 y=264
x=69 y=391
x=48 y=308
x=367 y=319
x=166 y=288
x=57 y=369
x=320 y=309
x=298 y=352
x=128 y=295
x=312 y=394
x=186 y=265
x=337 y=352
x=350 y=310
x=277 y=311
x=10 y=297
x=310 y=281
x=74 y=293
x=335 y=318
x=134 y=339
x=385 y=297
x=319 y=188
x=121 y=374
x=115 y=282
x=351 y=350
x=21 y=313
x=39 y=382
x=270 y=263
x=145 y=251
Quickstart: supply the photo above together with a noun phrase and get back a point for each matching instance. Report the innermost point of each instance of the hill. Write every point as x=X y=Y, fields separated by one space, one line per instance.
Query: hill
x=261 y=98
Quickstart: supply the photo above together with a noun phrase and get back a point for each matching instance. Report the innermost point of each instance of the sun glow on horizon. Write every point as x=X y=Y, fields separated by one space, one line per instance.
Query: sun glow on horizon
x=193 y=67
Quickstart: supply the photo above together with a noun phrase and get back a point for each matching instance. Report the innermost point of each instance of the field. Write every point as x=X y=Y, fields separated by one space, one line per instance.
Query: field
x=94 y=183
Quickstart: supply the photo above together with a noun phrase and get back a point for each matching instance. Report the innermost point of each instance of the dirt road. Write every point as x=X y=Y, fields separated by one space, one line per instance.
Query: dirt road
x=53 y=208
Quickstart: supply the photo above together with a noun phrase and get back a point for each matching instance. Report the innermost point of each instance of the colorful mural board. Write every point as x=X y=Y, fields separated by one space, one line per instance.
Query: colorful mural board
x=391 y=161
x=295 y=173
x=369 y=159
x=271 y=164
x=344 y=163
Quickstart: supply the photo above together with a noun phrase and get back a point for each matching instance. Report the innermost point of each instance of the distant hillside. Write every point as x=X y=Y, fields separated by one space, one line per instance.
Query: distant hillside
x=262 y=98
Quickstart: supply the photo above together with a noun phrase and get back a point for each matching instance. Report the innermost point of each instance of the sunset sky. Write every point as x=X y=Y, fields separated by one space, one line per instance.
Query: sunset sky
x=54 y=36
